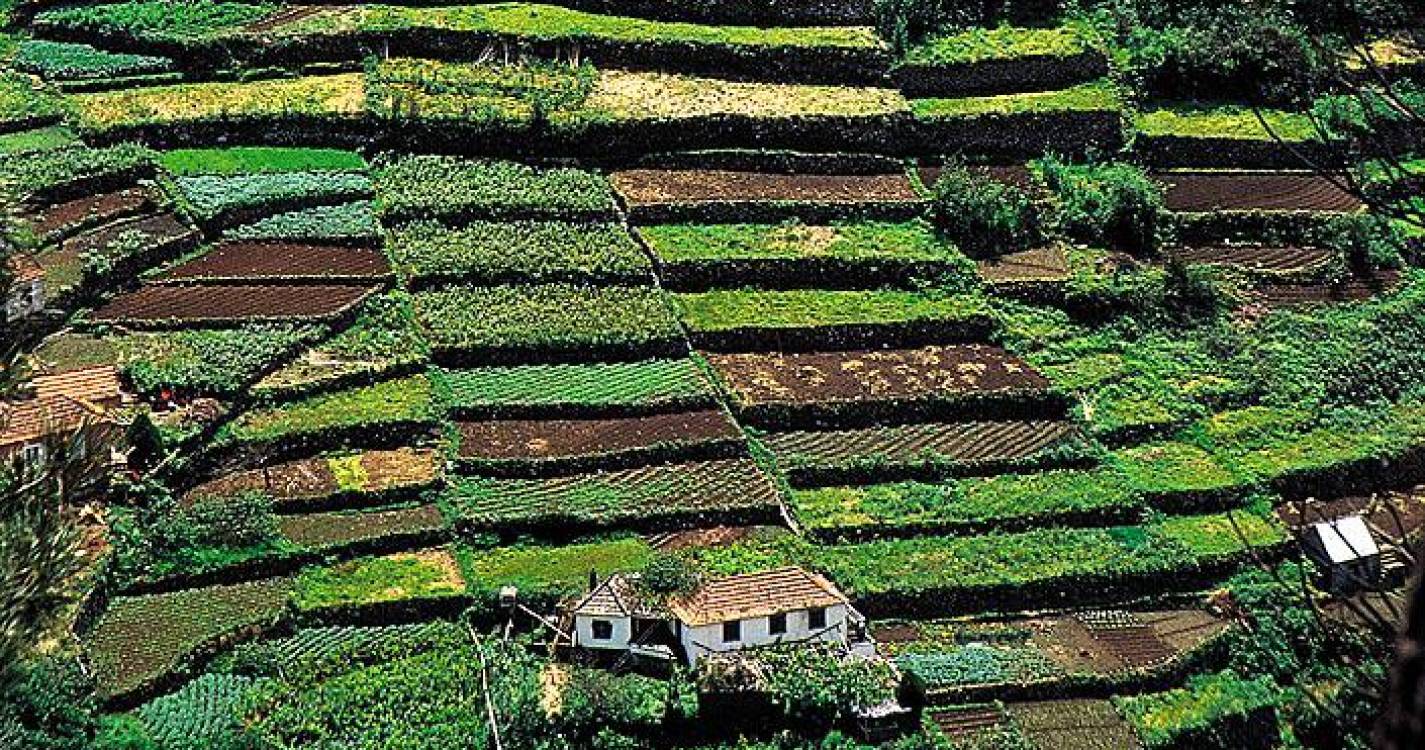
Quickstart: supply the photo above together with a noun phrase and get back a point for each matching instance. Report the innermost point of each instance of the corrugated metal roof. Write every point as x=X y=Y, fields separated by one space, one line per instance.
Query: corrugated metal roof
x=1346 y=539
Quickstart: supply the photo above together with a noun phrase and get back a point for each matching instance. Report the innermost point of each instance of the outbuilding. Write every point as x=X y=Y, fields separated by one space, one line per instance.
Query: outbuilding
x=785 y=605
x=1345 y=551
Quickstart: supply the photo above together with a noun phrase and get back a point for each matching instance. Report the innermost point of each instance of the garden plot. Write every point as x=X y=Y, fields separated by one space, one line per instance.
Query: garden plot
x=537 y=447
x=664 y=496
x=402 y=586
x=415 y=526
x=667 y=196
x=383 y=342
x=550 y=321
x=226 y=200
x=935 y=382
x=698 y=257
x=1273 y=260
x=1207 y=192
x=1008 y=501
x=348 y=223
x=159 y=306
x=428 y=253
x=1048 y=265
x=344 y=479
x=65 y=219
x=1075 y=724
x=70 y=172
x=280 y=262
x=576 y=390
x=821 y=457
x=999 y=60
x=1353 y=289
x=139 y=642
x=810 y=320
x=462 y=190
x=968 y=722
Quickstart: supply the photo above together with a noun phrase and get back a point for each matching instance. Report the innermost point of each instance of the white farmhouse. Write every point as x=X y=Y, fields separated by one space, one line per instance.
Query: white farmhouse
x=26 y=295
x=786 y=605
x=1345 y=551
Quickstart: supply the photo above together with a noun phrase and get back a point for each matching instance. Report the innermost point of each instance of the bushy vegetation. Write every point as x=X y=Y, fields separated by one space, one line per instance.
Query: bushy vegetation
x=214 y=362
x=214 y=197
x=434 y=187
x=73 y=62
x=658 y=384
x=1113 y=205
x=982 y=215
x=390 y=403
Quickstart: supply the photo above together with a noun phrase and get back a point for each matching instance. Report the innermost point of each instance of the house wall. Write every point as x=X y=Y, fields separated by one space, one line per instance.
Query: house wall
x=24 y=299
x=705 y=639
x=584 y=632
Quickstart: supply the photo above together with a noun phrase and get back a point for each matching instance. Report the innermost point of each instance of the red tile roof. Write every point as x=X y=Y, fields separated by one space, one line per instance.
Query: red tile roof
x=755 y=595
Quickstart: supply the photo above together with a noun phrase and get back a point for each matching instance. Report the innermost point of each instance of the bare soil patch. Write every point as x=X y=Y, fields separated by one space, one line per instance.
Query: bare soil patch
x=269 y=261
x=1267 y=259
x=1352 y=290
x=69 y=216
x=657 y=186
x=1041 y=264
x=812 y=377
x=347 y=527
x=535 y=439
x=1201 y=192
x=160 y=304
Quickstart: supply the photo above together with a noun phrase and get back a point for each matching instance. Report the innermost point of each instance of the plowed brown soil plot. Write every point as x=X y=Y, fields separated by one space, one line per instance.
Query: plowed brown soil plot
x=1353 y=290
x=217 y=305
x=877 y=375
x=351 y=527
x=272 y=261
x=301 y=482
x=1083 y=724
x=1199 y=192
x=517 y=439
x=156 y=230
x=710 y=538
x=661 y=195
x=969 y=720
x=1266 y=259
x=1042 y=264
x=67 y=217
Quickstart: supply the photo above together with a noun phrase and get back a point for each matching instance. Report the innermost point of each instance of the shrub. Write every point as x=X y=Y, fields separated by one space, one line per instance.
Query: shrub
x=1114 y=205
x=494 y=252
x=445 y=187
x=1214 y=708
x=210 y=362
x=981 y=215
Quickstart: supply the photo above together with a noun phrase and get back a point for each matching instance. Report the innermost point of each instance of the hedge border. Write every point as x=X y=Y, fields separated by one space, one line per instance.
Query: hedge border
x=905 y=334
x=1000 y=76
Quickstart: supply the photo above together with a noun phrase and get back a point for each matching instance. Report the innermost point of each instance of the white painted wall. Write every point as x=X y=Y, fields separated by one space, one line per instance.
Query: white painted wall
x=25 y=299
x=584 y=632
x=706 y=639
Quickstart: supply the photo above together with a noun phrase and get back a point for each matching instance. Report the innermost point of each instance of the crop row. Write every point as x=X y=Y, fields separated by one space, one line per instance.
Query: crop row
x=697 y=257
x=487 y=253
x=573 y=390
x=924 y=450
x=345 y=479
x=660 y=496
x=226 y=200
x=540 y=447
x=552 y=320
x=438 y=187
x=748 y=320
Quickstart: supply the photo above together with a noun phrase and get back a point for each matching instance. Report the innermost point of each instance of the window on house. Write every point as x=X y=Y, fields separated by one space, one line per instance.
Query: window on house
x=732 y=631
x=33 y=453
x=777 y=624
x=603 y=630
x=37 y=297
x=816 y=618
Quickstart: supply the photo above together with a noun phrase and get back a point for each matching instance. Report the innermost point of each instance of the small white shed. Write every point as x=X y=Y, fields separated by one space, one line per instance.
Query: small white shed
x=1345 y=551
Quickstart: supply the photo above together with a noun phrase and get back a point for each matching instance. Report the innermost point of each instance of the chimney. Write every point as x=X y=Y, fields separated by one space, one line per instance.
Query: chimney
x=593 y=579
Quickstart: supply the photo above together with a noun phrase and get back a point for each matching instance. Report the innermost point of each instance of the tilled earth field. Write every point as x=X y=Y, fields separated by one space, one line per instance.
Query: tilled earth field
x=559 y=438
x=282 y=260
x=1270 y=259
x=221 y=304
x=654 y=186
x=90 y=209
x=1351 y=290
x=812 y=377
x=310 y=478
x=1200 y=192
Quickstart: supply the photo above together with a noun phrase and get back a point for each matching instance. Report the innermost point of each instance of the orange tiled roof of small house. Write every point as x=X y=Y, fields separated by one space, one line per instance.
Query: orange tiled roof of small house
x=33 y=419
x=751 y=595
x=98 y=386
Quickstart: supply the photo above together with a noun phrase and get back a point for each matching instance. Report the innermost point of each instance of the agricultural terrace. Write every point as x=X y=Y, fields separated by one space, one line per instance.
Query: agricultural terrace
x=1035 y=334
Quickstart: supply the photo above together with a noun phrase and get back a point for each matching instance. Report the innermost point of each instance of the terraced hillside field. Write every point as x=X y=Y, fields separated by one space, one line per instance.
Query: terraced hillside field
x=770 y=375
